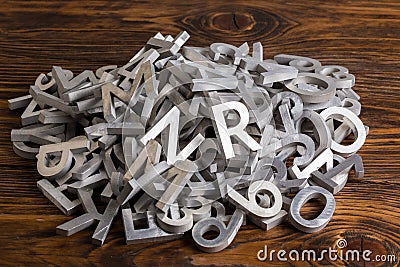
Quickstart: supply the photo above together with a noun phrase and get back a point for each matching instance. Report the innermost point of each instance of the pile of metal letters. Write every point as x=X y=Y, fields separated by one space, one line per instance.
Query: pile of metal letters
x=196 y=139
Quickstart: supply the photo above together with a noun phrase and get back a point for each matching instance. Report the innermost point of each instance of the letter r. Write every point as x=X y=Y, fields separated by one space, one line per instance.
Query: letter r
x=237 y=131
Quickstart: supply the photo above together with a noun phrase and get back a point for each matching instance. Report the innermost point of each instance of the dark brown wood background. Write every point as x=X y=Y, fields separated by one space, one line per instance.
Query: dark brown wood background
x=361 y=35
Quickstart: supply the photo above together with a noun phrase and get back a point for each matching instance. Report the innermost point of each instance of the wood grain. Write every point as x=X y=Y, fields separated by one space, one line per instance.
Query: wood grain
x=361 y=35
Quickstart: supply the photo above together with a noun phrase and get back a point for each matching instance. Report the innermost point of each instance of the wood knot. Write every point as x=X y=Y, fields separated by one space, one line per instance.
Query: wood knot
x=235 y=23
x=232 y=22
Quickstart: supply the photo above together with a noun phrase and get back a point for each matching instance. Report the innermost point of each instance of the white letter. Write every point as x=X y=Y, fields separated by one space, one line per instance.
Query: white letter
x=237 y=131
x=297 y=255
x=281 y=255
x=172 y=119
x=366 y=254
x=265 y=254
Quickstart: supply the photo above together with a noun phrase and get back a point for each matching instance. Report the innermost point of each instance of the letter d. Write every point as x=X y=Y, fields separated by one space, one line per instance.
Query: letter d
x=265 y=251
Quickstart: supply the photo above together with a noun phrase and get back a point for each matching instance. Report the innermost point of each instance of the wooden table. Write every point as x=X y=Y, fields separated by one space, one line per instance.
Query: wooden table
x=361 y=35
